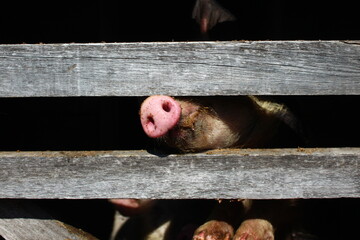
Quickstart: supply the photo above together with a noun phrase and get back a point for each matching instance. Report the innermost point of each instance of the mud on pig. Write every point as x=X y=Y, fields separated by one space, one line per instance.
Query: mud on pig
x=201 y=123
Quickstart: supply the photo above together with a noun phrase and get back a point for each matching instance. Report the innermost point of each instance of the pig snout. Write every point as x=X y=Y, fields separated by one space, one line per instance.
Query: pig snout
x=159 y=114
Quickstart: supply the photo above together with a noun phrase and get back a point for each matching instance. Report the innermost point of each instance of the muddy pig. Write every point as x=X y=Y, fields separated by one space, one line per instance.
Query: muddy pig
x=198 y=124
x=212 y=220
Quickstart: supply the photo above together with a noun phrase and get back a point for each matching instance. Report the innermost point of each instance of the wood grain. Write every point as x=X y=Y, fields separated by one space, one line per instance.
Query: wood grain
x=181 y=68
x=177 y=69
x=21 y=220
x=255 y=174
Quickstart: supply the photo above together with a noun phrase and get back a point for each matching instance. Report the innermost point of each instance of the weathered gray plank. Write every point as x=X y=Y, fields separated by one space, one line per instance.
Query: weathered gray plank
x=181 y=68
x=23 y=220
x=273 y=173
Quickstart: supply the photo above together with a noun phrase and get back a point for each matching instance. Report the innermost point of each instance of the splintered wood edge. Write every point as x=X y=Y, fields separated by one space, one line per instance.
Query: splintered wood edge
x=21 y=219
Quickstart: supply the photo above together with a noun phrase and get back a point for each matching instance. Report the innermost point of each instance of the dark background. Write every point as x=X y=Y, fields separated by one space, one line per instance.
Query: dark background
x=90 y=123
x=112 y=123
x=165 y=20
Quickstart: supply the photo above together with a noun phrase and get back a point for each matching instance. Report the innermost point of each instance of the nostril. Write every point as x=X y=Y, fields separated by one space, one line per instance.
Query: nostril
x=166 y=106
x=150 y=123
x=150 y=119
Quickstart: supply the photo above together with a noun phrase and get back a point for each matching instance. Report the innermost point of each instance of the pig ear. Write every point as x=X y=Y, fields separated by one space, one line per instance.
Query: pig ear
x=281 y=112
x=208 y=13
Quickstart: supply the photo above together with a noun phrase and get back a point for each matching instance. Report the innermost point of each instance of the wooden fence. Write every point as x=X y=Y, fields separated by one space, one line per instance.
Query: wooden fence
x=177 y=69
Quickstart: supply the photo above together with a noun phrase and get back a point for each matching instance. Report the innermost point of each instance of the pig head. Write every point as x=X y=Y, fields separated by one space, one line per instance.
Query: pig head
x=202 y=123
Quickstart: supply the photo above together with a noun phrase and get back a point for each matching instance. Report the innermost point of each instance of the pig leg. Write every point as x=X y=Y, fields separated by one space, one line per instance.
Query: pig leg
x=260 y=229
x=267 y=215
x=226 y=215
x=214 y=230
x=255 y=229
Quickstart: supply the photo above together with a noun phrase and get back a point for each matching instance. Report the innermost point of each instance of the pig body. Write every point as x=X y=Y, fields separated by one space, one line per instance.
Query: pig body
x=198 y=124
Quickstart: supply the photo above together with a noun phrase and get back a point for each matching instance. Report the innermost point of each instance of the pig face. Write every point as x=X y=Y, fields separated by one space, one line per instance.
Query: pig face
x=200 y=127
x=197 y=124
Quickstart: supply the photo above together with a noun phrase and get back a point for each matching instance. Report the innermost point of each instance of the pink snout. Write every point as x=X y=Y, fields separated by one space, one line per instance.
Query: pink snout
x=159 y=114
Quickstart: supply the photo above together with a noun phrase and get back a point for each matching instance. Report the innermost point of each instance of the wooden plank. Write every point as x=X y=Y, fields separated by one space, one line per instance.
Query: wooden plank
x=238 y=173
x=23 y=220
x=181 y=68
